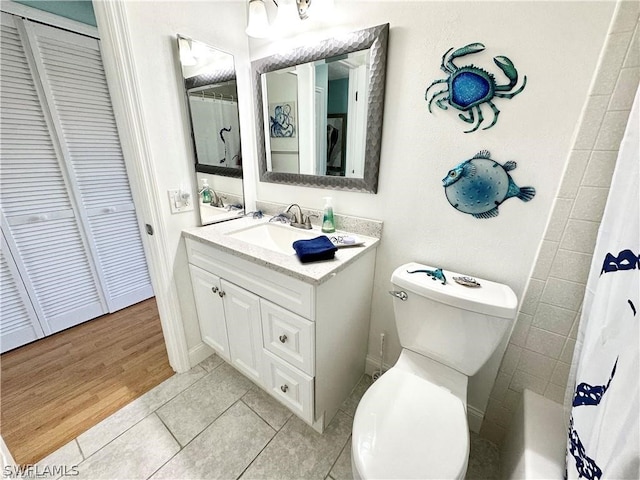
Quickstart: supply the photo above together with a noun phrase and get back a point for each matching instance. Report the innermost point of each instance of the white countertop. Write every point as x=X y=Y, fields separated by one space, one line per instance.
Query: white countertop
x=315 y=273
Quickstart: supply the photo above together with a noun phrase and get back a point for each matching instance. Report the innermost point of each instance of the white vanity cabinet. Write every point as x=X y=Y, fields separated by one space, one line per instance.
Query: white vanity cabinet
x=304 y=342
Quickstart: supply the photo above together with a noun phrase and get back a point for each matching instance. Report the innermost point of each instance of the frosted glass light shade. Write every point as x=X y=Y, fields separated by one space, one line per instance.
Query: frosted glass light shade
x=258 y=24
x=287 y=20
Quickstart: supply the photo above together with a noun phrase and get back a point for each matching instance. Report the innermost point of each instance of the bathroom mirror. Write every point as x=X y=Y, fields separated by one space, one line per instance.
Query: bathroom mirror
x=319 y=112
x=212 y=102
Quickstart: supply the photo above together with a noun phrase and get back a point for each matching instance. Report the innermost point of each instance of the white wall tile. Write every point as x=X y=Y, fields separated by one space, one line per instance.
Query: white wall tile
x=531 y=298
x=500 y=386
x=498 y=414
x=548 y=323
x=576 y=166
x=612 y=130
x=589 y=204
x=625 y=17
x=511 y=400
x=562 y=293
x=536 y=364
x=580 y=236
x=559 y=218
x=555 y=393
x=554 y=319
x=546 y=343
x=521 y=330
x=576 y=324
x=561 y=374
x=545 y=259
x=492 y=432
x=625 y=90
x=600 y=169
x=633 y=54
x=510 y=359
x=573 y=266
x=590 y=124
x=522 y=380
x=567 y=351
x=615 y=50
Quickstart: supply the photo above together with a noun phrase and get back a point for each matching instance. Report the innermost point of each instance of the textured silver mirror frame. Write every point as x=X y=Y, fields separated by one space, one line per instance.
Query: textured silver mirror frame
x=375 y=38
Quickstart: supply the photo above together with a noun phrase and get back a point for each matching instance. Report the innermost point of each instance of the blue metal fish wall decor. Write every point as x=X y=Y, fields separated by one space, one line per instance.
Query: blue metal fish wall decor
x=469 y=87
x=479 y=185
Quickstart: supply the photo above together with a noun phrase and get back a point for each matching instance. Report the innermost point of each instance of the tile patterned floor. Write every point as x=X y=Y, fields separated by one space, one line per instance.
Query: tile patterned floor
x=213 y=423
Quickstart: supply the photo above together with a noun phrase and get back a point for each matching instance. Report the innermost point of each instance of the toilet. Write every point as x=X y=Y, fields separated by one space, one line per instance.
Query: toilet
x=412 y=422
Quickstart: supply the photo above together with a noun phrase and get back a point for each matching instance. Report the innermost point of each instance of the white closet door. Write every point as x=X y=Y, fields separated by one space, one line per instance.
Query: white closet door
x=19 y=323
x=74 y=81
x=38 y=216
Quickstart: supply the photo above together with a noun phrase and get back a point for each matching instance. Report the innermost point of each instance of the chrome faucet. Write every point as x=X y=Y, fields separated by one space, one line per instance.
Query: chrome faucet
x=298 y=219
x=216 y=200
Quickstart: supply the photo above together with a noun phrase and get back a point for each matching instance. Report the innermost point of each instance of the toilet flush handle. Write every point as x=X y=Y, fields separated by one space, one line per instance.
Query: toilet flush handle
x=401 y=295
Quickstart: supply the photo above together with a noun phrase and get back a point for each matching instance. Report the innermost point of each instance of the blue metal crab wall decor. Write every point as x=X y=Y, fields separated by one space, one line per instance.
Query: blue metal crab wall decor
x=469 y=87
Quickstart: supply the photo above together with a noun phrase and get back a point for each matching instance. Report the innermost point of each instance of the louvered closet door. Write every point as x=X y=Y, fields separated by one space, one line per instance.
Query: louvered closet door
x=38 y=218
x=75 y=82
x=19 y=323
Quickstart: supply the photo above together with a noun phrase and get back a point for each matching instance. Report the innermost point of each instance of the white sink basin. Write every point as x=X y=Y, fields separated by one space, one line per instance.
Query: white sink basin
x=273 y=236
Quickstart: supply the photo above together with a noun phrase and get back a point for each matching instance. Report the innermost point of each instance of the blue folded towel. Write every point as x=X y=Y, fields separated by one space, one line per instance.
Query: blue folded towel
x=315 y=249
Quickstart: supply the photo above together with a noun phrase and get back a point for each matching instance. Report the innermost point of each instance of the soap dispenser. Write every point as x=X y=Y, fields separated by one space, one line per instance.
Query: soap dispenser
x=205 y=191
x=328 y=225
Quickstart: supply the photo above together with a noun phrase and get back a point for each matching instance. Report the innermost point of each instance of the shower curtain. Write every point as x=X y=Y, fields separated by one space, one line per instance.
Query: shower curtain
x=216 y=130
x=603 y=392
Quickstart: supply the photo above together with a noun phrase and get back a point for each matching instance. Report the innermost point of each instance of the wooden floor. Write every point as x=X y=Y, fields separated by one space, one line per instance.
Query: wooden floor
x=58 y=387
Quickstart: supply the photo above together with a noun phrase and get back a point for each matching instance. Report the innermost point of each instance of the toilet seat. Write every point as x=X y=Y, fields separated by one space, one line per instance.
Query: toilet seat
x=407 y=427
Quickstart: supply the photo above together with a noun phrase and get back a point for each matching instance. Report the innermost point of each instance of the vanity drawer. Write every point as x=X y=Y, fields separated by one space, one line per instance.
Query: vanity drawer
x=291 y=293
x=289 y=385
x=289 y=336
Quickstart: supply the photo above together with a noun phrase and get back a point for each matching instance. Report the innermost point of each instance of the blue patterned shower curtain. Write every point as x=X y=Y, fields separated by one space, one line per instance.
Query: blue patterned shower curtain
x=604 y=426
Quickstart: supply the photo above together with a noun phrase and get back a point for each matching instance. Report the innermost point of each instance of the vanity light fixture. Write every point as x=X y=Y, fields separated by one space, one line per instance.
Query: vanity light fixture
x=288 y=19
x=258 y=23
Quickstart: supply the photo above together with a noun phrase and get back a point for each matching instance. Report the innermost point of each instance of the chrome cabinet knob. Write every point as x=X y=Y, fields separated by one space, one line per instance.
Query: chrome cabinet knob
x=214 y=289
x=284 y=388
x=282 y=338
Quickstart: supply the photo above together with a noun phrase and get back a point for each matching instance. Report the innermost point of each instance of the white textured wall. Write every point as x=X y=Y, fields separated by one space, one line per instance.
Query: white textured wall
x=540 y=350
x=557 y=46
x=154 y=26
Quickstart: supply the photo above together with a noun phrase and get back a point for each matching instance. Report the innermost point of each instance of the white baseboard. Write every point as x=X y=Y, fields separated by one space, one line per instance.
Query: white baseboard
x=474 y=416
x=199 y=353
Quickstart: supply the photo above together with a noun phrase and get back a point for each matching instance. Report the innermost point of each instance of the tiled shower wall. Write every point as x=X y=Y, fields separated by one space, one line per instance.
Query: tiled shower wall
x=540 y=349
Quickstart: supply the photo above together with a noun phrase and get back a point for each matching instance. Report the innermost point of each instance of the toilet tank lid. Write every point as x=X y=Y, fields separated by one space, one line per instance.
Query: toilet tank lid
x=491 y=298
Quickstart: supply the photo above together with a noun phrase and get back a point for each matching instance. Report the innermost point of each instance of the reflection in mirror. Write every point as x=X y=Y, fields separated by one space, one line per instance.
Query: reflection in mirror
x=319 y=112
x=212 y=100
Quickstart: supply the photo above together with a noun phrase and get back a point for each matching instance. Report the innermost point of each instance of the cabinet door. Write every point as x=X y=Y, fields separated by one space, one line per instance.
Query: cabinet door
x=206 y=290
x=242 y=310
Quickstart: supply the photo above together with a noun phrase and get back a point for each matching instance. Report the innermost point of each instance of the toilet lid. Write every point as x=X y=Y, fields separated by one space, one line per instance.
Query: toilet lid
x=406 y=427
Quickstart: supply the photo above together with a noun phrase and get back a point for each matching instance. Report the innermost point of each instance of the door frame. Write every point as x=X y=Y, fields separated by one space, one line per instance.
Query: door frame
x=115 y=43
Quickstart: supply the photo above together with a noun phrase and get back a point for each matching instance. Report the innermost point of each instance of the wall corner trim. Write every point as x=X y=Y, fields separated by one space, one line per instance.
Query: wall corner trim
x=123 y=85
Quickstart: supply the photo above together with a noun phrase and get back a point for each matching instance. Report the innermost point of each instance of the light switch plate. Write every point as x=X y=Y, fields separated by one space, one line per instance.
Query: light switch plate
x=180 y=200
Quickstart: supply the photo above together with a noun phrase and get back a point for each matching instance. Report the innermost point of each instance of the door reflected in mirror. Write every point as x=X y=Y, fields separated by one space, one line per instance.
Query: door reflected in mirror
x=319 y=111
x=212 y=101
x=317 y=115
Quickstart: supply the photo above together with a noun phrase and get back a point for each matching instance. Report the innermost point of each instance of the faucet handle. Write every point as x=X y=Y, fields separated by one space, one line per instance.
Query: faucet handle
x=307 y=221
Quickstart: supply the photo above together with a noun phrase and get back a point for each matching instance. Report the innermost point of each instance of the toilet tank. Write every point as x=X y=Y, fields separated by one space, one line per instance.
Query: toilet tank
x=455 y=325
